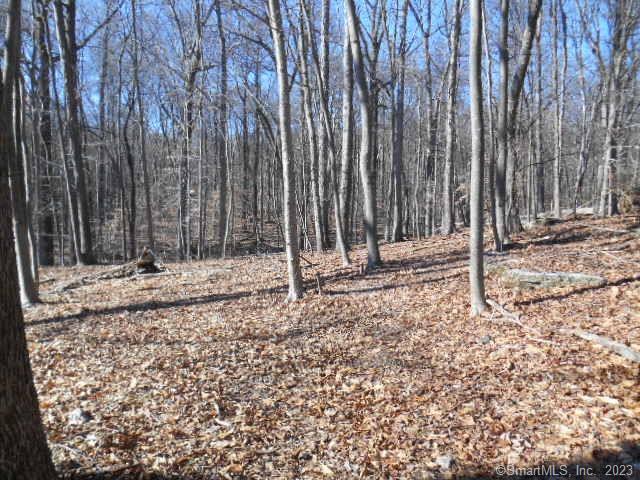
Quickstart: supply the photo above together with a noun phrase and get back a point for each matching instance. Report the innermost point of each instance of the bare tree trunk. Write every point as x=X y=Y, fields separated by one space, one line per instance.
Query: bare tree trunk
x=476 y=266
x=257 y=173
x=328 y=130
x=142 y=128
x=288 y=180
x=21 y=214
x=491 y=181
x=323 y=140
x=448 y=223
x=23 y=444
x=559 y=78
x=347 y=135
x=503 y=135
x=539 y=160
x=44 y=150
x=132 y=187
x=224 y=136
x=369 y=207
x=515 y=92
x=312 y=138
x=398 y=131
x=66 y=25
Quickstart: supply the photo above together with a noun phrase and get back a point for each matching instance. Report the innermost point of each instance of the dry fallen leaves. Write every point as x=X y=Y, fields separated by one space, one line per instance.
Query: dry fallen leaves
x=383 y=375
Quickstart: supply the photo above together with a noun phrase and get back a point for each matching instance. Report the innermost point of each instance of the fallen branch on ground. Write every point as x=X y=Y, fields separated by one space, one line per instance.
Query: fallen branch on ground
x=515 y=319
x=603 y=229
x=611 y=345
x=512 y=317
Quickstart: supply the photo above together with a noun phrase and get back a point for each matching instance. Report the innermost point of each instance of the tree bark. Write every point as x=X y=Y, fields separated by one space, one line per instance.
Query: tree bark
x=347 y=135
x=223 y=153
x=448 y=223
x=288 y=180
x=142 y=128
x=369 y=207
x=503 y=135
x=66 y=25
x=20 y=208
x=476 y=258
x=398 y=138
x=312 y=137
x=23 y=445
x=44 y=151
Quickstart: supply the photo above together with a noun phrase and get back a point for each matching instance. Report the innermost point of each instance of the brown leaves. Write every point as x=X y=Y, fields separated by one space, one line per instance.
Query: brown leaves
x=382 y=375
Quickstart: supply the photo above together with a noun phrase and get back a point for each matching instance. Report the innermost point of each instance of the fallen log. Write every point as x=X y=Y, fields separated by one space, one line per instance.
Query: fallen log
x=119 y=271
x=607 y=343
x=527 y=278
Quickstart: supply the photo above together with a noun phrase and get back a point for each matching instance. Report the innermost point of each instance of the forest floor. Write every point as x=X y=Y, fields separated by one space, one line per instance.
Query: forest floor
x=207 y=373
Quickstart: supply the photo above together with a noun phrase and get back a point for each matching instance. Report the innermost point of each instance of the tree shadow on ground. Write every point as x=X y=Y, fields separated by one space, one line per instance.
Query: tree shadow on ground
x=622 y=463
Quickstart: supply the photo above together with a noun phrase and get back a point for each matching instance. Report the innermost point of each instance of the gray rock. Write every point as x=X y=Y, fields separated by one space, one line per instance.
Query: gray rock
x=486 y=339
x=79 y=417
x=445 y=462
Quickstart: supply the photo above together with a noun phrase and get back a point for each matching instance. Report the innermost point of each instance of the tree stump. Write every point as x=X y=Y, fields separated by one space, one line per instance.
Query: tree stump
x=147 y=262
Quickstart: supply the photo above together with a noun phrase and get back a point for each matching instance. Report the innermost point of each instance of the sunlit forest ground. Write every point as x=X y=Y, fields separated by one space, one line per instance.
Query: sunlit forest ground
x=204 y=371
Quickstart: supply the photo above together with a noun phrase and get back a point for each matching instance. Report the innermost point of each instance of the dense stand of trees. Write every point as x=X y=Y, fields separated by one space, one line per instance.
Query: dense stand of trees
x=203 y=128
x=237 y=121
x=159 y=123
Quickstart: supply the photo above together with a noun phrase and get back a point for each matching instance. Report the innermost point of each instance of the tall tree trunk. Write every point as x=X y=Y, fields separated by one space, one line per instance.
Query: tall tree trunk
x=448 y=224
x=476 y=266
x=539 y=160
x=66 y=26
x=503 y=135
x=132 y=179
x=515 y=92
x=223 y=157
x=288 y=180
x=369 y=207
x=323 y=142
x=491 y=181
x=142 y=126
x=327 y=127
x=21 y=214
x=398 y=139
x=559 y=78
x=23 y=444
x=312 y=137
x=44 y=149
x=347 y=134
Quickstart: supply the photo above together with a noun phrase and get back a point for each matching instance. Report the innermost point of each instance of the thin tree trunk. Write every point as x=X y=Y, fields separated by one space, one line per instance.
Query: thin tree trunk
x=503 y=135
x=448 y=223
x=66 y=25
x=45 y=202
x=347 y=134
x=476 y=266
x=142 y=129
x=312 y=143
x=369 y=207
x=398 y=138
x=223 y=158
x=21 y=216
x=288 y=179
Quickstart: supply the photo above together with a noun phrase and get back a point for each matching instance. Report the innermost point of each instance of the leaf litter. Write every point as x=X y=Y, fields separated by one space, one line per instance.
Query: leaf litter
x=209 y=374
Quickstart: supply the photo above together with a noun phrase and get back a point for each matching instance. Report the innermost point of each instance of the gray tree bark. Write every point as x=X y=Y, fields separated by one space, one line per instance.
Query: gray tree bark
x=369 y=207
x=286 y=154
x=398 y=139
x=476 y=259
x=347 y=134
x=23 y=445
x=65 y=14
x=448 y=217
